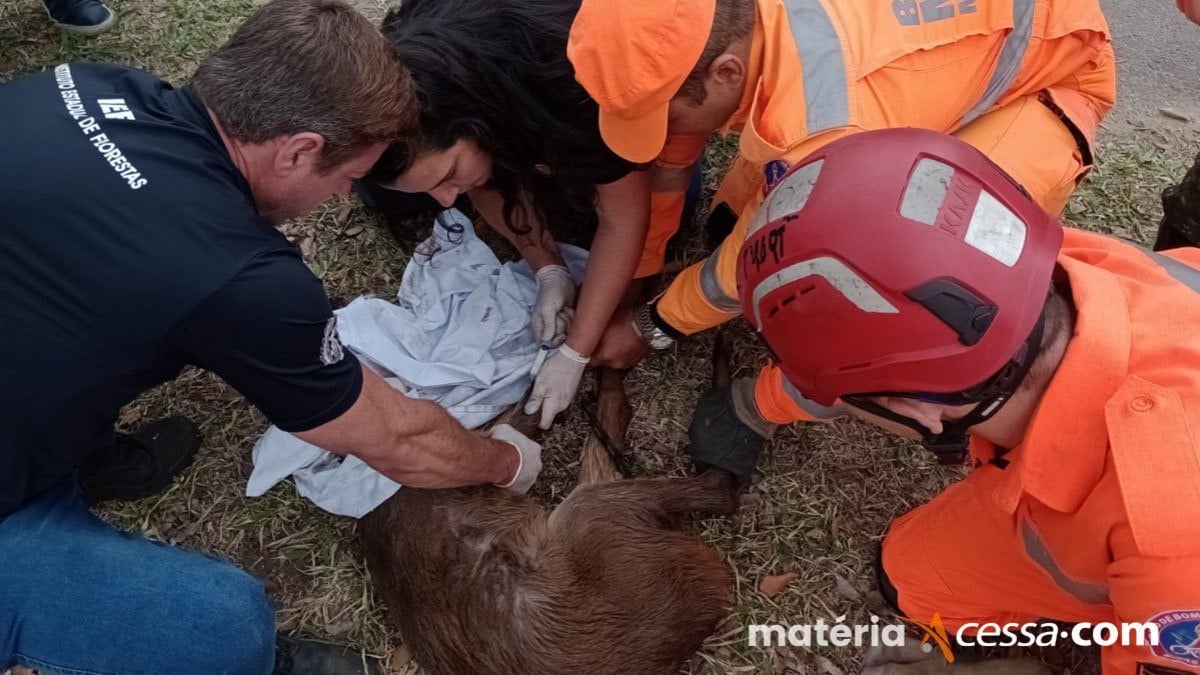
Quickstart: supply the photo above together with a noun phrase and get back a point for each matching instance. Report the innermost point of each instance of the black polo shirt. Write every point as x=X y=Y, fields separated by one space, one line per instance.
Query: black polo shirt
x=130 y=246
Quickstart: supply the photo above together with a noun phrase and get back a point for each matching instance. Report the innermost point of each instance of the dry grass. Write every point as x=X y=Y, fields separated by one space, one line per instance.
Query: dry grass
x=825 y=495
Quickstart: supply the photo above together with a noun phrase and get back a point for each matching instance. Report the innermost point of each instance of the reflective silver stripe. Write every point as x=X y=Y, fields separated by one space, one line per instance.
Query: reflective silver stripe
x=826 y=85
x=845 y=280
x=1184 y=274
x=1092 y=594
x=710 y=285
x=818 y=411
x=1009 y=63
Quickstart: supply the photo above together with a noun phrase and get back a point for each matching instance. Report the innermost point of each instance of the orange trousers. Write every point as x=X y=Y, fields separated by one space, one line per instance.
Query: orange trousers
x=970 y=561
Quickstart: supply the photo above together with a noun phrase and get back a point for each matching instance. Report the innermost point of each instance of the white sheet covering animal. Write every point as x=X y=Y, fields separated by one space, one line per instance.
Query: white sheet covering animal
x=457 y=334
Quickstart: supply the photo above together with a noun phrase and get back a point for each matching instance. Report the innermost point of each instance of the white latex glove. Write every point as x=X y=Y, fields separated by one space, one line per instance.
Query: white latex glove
x=556 y=383
x=552 y=311
x=529 y=454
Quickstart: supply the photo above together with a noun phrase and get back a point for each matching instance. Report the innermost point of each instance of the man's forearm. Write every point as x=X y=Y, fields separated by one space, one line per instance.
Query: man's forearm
x=414 y=442
x=435 y=451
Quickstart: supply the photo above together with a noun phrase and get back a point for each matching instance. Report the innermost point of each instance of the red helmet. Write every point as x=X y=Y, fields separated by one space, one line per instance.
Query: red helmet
x=897 y=261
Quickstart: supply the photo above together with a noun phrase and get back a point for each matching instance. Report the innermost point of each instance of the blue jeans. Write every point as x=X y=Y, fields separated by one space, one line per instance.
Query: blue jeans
x=77 y=596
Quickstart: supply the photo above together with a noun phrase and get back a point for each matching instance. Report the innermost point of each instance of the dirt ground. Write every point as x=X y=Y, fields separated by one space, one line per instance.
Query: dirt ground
x=1158 y=82
x=825 y=493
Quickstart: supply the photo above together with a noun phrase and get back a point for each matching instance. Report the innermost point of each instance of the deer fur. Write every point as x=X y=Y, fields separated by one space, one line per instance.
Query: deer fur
x=480 y=580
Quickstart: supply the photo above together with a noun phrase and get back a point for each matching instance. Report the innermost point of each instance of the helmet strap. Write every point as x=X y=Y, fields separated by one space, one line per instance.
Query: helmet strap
x=950 y=446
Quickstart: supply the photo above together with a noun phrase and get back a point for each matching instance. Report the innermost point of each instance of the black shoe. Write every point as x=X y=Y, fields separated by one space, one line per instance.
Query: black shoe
x=139 y=464
x=84 y=17
x=305 y=657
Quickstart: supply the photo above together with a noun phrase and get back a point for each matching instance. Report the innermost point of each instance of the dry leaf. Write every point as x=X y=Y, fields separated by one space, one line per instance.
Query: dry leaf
x=845 y=588
x=130 y=416
x=343 y=214
x=774 y=585
x=827 y=667
x=354 y=231
x=1174 y=114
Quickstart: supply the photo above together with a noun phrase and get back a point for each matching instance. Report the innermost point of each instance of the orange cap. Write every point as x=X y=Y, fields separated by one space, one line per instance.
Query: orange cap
x=632 y=56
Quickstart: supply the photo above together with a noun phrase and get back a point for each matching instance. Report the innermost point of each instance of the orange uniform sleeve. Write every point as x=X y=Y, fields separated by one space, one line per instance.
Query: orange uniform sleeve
x=1164 y=592
x=774 y=403
x=705 y=294
x=672 y=172
x=779 y=402
x=666 y=210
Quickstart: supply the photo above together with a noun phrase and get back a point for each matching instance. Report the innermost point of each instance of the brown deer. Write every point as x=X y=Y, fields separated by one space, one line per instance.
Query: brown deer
x=480 y=580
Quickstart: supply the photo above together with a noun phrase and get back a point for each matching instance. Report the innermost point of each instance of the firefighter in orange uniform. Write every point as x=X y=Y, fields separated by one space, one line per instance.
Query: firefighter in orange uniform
x=1025 y=81
x=900 y=274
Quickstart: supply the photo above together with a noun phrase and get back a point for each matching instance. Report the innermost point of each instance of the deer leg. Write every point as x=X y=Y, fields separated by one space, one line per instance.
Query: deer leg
x=606 y=443
x=516 y=418
x=652 y=502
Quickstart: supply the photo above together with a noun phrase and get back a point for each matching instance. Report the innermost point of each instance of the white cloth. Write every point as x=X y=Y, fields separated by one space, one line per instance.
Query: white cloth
x=459 y=335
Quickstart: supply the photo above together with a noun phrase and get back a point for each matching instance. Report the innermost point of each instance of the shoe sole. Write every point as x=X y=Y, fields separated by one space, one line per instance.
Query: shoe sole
x=124 y=493
x=89 y=31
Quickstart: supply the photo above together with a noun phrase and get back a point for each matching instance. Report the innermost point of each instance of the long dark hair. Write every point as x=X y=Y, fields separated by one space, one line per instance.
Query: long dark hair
x=496 y=72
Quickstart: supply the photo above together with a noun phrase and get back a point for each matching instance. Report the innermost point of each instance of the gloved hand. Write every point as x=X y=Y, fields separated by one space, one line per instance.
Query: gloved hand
x=555 y=385
x=553 y=311
x=727 y=431
x=529 y=454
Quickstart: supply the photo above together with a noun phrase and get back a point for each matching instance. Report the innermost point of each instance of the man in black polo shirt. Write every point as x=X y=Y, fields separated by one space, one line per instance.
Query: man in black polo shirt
x=136 y=237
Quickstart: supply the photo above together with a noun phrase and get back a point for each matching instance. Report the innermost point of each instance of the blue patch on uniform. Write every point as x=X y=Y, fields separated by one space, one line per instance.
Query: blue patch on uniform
x=774 y=170
x=1178 y=635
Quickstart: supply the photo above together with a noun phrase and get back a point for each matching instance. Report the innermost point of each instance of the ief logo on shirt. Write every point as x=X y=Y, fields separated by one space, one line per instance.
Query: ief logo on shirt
x=115 y=109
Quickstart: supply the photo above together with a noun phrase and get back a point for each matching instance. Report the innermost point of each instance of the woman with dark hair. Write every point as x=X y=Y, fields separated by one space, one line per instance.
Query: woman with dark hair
x=504 y=122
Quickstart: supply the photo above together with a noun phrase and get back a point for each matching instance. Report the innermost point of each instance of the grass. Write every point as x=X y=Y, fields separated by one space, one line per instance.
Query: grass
x=1121 y=197
x=825 y=495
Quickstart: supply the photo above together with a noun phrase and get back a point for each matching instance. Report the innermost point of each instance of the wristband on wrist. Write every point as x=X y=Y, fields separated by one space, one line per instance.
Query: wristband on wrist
x=553 y=270
x=574 y=355
x=520 y=465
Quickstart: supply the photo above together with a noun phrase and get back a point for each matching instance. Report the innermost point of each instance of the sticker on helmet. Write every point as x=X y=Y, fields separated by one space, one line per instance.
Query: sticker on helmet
x=926 y=191
x=996 y=231
x=773 y=171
